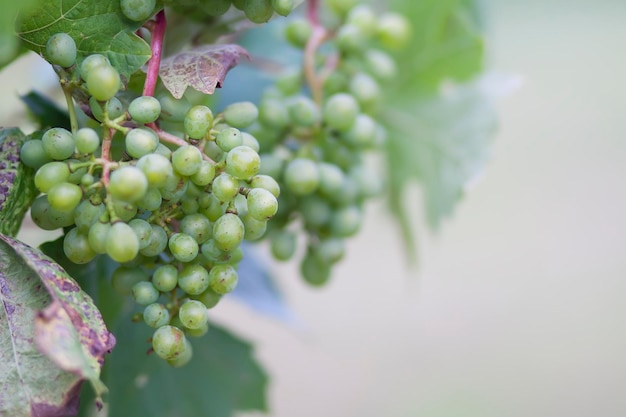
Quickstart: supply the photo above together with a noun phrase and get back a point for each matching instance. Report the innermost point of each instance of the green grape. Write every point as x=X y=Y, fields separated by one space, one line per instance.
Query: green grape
x=348 y=194
x=183 y=247
x=165 y=278
x=258 y=11
x=90 y=62
x=213 y=253
x=58 y=143
x=151 y=201
x=394 y=30
x=137 y=10
x=365 y=89
x=97 y=236
x=251 y=142
x=175 y=187
x=156 y=169
x=267 y=183
x=262 y=204
x=287 y=84
x=197 y=226
x=141 y=142
x=331 y=179
x=121 y=244
x=143 y=231
x=87 y=140
x=341 y=7
x=103 y=82
x=59 y=218
x=198 y=120
x=229 y=138
x=193 y=314
x=350 y=39
x=215 y=7
x=228 y=232
x=301 y=176
x=315 y=211
x=33 y=155
x=124 y=279
x=282 y=7
x=273 y=113
x=254 y=229
x=76 y=247
x=363 y=132
x=184 y=357
x=340 y=111
x=240 y=4
x=156 y=315
x=189 y=206
x=242 y=162
x=242 y=114
x=61 y=50
x=168 y=342
x=271 y=165
x=163 y=151
x=363 y=17
x=87 y=214
x=380 y=65
x=193 y=279
x=172 y=109
x=51 y=174
x=214 y=210
x=114 y=108
x=209 y=298
x=314 y=270
x=144 y=293
x=205 y=174
x=144 y=109
x=304 y=112
x=225 y=187
x=335 y=82
x=39 y=213
x=223 y=279
x=77 y=170
x=198 y=332
x=213 y=151
x=124 y=210
x=283 y=244
x=346 y=221
x=368 y=181
x=298 y=31
x=87 y=179
x=330 y=250
x=128 y=183
x=186 y=160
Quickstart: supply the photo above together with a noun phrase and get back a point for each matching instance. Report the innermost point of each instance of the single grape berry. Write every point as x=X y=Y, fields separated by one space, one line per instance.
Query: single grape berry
x=205 y=174
x=87 y=140
x=243 y=162
x=193 y=314
x=165 y=278
x=124 y=279
x=156 y=315
x=225 y=187
x=168 y=342
x=103 y=82
x=209 y=298
x=262 y=204
x=90 y=62
x=197 y=122
x=228 y=232
x=121 y=244
x=302 y=176
x=298 y=31
x=282 y=7
x=137 y=10
x=364 y=18
x=283 y=244
x=87 y=214
x=158 y=241
x=97 y=236
x=223 y=279
x=128 y=184
x=61 y=50
x=144 y=293
x=394 y=30
x=229 y=138
x=58 y=143
x=254 y=229
x=193 y=279
x=64 y=196
x=144 y=109
x=314 y=270
x=113 y=106
x=184 y=357
x=241 y=114
x=156 y=168
x=186 y=160
x=304 y=112
x=51 y=174
x=340 y=111
x=33 y=155
x=143 y=231
x=266 y=182
x=258 y=11
x=76 y=247
x=183 y=247
x=141 y=141
x=197 y=226
x=273 y=113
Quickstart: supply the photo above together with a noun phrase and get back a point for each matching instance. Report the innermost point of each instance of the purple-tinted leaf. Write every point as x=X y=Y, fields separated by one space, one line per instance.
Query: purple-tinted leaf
x=203 y=68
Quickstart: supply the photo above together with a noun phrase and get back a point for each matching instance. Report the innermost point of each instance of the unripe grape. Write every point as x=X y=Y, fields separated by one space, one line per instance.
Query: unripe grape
x=103 y=82
x=144 y=293
x=143 y=231
x=205 y=174
x=282 y=7
x=228 y=232
x=258 y=11
x=229 y=138
x=151 y=201
x=341 y=7
x=137 y=10
x=58 y=143
x=223 y=279
x=350 y=39
x=315 y=211
x=271 y=165
x=365 y=89
x=394 y=30
x=121 y=243
x=124 y=278
x=90 y=62
x=175 y=187
x=183 y=247
x=61 y=50
x=144 y=109
x=172 y=109
x=114 y=108
x=346 y=221
x=225 y=187
x=193 y=279
x=193 y=314
x=287 y=84
x=76 y=247
x=302 y=176
x=262 y=204
x=186 y=160
x=165 y=278
x=273 y=113
x=242 y=162
x=209 y=298
x=251 y=142
x=199 y=332
x=364 y=18
x=363 y=132
x=33 y=155
x=283 y=245
x=330 y=250
x=267 y=183
x=124 y=210
x=331 y=178
x=128 y=184
x=141 y=141
x=39 y=213
x=197 y=226
x=97 y=236
x=298 y=31
x=254 y=229
x=380 y=65
x=168 y=342
x=304 y=112
x=51 y=174
x=87 y=214
x=156 y=169
x=156 y=315
x=184 y=357
x=340 y=111
x=87 y=140
x=198 y=120
x=314 y=271
x=215 y=7
x=241 y=114
x=77 y=170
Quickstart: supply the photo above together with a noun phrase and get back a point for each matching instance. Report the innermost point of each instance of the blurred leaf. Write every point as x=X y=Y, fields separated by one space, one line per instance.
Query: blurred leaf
x=97 y=26
x=203 y=68
x=222 y=378
x=46 y=111
x=17 y=186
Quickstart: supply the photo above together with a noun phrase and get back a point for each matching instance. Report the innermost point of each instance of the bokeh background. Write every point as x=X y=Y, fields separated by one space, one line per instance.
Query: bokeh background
x=516 y=305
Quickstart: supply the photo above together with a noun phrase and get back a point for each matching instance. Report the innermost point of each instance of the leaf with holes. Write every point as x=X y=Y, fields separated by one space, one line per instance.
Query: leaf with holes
x=204 y=68
x=97 y=26
x=50 y=330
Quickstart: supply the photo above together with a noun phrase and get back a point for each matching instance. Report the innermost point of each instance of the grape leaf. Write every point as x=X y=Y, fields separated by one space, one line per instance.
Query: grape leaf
x=97 y=26
x=45 y=111
x=17 y=186
x=69 y=330
x=51 y=335
x=222 y=377
x=203 y=68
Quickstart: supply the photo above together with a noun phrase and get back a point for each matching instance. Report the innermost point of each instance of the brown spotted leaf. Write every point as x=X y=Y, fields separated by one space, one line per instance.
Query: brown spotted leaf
x=52 y=336
x=203 y=68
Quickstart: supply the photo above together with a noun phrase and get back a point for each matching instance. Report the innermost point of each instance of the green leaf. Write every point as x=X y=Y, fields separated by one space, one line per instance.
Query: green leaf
x=51 y=335
x=222 y=377
x=45 y=111
x=203 y=68
x=97 y=26
x=443 y=142
x=17 y=185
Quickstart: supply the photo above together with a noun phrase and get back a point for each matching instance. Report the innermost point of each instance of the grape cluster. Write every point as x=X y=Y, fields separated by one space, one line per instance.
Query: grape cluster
x=257 y=11
x=317 y=149
x=171 y=215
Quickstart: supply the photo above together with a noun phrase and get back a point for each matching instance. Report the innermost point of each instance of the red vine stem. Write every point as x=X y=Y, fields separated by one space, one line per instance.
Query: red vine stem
x=156 y=45
x=318 y=37
x=106 y=154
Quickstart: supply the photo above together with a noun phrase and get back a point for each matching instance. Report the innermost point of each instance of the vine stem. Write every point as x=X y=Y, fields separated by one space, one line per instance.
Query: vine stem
x=175 y=140
x=319 y=36
x=156 y=45
x=67 y=92
x=106 y=154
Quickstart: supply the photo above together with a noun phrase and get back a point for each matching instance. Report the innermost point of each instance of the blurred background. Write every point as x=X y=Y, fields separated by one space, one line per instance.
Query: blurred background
x=516 y=305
